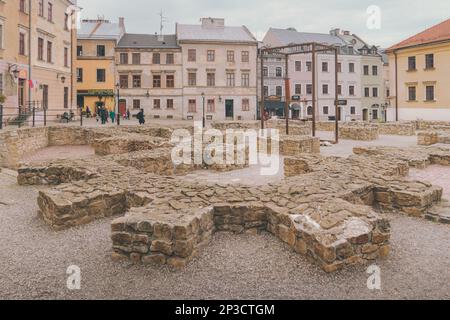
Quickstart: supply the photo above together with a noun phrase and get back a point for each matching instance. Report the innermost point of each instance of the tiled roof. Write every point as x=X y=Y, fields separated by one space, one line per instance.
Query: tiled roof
x=287 y=36
x=130 y=40
x=186 y=32
x=436 y=33
x=99 y=30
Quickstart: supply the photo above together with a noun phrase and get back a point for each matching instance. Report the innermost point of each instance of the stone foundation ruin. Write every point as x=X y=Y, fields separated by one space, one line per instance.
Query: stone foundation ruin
x=329 y=209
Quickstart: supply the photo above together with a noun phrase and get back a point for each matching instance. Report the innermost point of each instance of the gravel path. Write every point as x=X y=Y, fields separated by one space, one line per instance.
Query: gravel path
x=34 y=259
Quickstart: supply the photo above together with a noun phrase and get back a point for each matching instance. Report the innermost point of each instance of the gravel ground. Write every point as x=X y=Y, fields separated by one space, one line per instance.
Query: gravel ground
x=34 y=259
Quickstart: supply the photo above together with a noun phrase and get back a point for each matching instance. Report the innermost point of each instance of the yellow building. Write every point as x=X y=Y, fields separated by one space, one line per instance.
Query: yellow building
x=419 y=75
x=95 y=66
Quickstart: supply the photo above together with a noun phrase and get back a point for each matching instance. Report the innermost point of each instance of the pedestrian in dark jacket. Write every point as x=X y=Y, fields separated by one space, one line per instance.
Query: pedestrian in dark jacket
x=104 y=115
x=141 y=117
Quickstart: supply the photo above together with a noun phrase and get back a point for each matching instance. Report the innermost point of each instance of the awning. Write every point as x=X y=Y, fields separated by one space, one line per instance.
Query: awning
x=95 y=93
x=273 y=105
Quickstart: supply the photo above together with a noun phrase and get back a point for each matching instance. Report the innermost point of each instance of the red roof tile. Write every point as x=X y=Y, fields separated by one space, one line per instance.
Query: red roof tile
x=436 y=33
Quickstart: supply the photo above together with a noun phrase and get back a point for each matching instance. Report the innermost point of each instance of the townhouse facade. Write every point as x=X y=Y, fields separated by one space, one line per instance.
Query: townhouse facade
x=373 y=101
x=419 y=75
x=353 y=80
x=14 y=63
x=38 y=49
x=96 y=63
x=149 y=71
x=219 y=66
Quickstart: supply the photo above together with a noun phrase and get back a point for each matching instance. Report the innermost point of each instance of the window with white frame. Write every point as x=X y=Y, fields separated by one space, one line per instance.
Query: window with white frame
x=245 y=104
x=245 y=80
x=429 y=92
x=211 y=106
x=230 y=79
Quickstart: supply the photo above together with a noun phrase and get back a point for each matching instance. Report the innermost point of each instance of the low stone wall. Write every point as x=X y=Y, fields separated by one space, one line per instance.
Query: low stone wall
x=427 y=138
x=14 y=144
x=126 y=144
x=156 y=237
x=389 y=128
x=294 y=167
x=397 y=128
x=432 y=125
x=296 y=145
x=52 y=174
x=358 y=133
x=295 y=127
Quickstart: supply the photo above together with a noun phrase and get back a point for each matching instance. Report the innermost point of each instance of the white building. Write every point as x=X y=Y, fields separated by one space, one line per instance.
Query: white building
x=150 y=75
x=219 y=71
x=350 y=76
x=373 y=100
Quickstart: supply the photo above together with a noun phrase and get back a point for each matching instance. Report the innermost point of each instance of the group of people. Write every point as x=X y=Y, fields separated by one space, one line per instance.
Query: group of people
x=104 y=115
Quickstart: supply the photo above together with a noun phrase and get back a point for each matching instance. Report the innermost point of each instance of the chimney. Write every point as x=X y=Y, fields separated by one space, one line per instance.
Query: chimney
x=213 y=22
x=335 y=32
x=161 y=38
x=122 y=23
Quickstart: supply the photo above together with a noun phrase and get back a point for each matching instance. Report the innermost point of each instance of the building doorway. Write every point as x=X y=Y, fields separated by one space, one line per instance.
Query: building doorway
x=229 y=109
x=21 y=95
x=45 y=96
x=123 y=107
x=374 y=114
x=365 y=115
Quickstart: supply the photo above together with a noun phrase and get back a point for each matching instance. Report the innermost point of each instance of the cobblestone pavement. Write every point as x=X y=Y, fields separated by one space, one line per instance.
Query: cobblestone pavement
x=437 y=175
x=34 y=260
x=345 y=147
x=59 y=152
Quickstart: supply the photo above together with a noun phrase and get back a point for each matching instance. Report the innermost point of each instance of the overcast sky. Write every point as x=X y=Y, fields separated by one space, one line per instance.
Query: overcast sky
x=399 y=18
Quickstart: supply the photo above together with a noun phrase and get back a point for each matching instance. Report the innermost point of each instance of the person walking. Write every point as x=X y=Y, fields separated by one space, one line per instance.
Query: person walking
x=104 y=115
x=141 y=117
x=112 y=115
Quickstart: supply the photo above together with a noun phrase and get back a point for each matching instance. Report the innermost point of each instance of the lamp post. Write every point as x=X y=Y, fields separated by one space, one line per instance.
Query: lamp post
x=204 y=119
x=118 y=103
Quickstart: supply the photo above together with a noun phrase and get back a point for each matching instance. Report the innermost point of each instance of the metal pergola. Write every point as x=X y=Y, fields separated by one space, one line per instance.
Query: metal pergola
x=294 y=49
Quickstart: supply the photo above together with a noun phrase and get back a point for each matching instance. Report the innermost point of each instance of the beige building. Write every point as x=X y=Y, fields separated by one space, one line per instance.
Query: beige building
x=14 y=35
x=40 y=44
x=219 y=71
x=149 y=73
x=419 y=75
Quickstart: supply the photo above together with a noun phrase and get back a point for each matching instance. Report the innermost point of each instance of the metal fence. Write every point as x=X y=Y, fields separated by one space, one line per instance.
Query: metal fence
x=34 y=115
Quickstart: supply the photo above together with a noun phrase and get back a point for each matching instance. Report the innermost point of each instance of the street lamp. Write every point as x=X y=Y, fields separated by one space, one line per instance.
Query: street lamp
x=118 y=103
x=204 y=119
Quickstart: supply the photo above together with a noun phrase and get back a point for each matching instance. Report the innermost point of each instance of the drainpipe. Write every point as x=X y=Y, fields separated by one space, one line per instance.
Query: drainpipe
x=396 y=86
x=29 y=52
